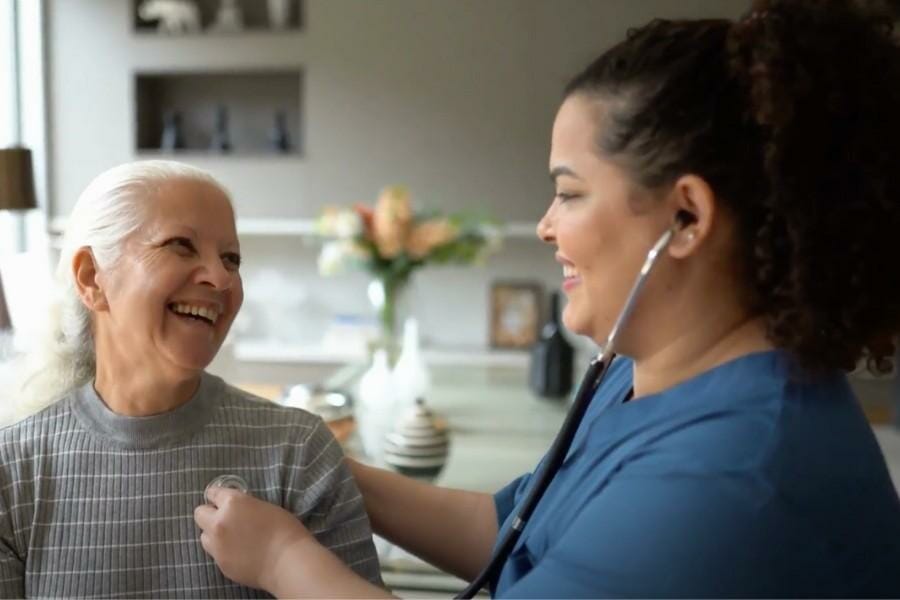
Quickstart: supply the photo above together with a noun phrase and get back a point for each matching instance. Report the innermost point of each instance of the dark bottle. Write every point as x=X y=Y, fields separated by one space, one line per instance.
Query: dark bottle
x=552 y=358
x=221 y=139
x=278 y=136
x=897 y=389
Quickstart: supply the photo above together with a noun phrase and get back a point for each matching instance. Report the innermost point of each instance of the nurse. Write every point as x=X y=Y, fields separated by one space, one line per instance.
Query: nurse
x=724 y=454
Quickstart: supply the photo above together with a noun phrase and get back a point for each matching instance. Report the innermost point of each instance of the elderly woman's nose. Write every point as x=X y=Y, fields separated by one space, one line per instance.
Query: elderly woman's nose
x=216 y=274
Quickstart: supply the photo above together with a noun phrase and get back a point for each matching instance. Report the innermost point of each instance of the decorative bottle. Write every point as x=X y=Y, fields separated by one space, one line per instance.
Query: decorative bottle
x=221 y=139
x=172 y=135
x=279 y=138
x=411 y=378
x=279 y=13
x=552 y=358
x=229 y=17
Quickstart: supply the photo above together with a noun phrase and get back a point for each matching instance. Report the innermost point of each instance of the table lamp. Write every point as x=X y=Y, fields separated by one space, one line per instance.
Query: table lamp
x=16 y=193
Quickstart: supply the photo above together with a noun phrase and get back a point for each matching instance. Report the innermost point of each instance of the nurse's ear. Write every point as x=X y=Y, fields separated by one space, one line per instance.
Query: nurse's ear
x=84 y=268
x=693 y=205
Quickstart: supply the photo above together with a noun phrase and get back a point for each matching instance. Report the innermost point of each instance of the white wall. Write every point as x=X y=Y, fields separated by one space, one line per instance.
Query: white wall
x=454 y=98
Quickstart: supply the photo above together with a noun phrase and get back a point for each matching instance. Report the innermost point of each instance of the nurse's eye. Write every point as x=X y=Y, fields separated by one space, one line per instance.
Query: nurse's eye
x=566 y=196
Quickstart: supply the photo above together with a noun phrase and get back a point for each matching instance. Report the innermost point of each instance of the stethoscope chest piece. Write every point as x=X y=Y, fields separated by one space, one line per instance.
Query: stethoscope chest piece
x=233 y=482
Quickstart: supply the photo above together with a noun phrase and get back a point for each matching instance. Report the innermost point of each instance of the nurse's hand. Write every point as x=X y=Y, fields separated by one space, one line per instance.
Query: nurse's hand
x=261 y=545
x=248 y=537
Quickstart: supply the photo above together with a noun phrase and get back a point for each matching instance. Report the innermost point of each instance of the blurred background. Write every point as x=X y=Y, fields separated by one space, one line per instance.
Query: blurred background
x=453 y=99
x=301 y=105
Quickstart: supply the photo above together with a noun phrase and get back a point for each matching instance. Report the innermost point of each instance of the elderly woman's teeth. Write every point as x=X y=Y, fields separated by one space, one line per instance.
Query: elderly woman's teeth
x=208 y=314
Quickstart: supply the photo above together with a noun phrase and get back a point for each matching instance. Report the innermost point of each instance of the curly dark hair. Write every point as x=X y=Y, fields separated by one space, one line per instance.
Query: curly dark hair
x=792 y=115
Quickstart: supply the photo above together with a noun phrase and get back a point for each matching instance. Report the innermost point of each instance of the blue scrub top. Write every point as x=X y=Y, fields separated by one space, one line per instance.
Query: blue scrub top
x=747 y=480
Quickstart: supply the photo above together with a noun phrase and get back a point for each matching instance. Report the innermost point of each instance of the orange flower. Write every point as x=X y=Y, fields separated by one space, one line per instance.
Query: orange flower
x=428 y=235
x=391 y=221
x=366 y=216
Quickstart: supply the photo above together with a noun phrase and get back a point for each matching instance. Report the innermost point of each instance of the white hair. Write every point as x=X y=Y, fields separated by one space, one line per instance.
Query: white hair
x=109 y=210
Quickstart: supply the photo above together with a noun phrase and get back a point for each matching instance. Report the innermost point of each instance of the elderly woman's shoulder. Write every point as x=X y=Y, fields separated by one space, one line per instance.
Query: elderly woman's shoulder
x=22 y=425
x=250 y=407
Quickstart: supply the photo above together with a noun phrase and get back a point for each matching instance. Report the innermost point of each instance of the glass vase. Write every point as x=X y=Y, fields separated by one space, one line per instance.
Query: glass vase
x=387 y=296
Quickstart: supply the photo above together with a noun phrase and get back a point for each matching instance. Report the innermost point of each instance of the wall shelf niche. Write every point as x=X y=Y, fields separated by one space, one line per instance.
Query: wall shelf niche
x=204 y=17
x=180 y=113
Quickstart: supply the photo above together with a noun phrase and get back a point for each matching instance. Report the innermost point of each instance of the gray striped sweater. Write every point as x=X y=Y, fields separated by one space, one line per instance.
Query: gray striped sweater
x=98 y=504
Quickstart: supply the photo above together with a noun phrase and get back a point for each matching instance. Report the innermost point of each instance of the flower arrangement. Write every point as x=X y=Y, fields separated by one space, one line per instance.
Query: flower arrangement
x=391 y=241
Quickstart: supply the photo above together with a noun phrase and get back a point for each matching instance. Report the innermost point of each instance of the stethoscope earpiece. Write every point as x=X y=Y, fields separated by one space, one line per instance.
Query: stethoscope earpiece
x=683 y=219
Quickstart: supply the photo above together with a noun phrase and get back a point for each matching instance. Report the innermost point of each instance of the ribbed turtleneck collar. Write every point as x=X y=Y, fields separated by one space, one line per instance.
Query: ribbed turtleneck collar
x=152 y=431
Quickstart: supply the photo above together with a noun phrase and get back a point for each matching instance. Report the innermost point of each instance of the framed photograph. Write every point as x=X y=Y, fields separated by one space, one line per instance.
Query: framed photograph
x=515 y=316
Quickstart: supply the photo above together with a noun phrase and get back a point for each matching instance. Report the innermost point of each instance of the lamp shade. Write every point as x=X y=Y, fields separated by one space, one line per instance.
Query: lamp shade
x=16 y=179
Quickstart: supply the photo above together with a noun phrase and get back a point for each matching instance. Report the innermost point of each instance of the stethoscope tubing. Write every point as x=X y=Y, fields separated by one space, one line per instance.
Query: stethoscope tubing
x=560 y=448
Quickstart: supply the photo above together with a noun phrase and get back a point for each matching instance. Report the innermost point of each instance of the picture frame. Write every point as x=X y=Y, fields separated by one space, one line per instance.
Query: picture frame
x=515 y=309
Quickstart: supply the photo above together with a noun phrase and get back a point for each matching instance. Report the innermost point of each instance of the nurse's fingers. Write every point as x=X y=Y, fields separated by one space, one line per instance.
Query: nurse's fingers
x=204 y=516
x=219 y=496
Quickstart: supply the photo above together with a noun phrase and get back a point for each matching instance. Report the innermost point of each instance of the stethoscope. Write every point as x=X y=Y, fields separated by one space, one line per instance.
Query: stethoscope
x=560 y=448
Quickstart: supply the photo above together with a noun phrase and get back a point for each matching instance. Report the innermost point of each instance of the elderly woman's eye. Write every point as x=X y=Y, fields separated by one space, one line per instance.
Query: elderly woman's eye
x=232 y=259
x=181 y=244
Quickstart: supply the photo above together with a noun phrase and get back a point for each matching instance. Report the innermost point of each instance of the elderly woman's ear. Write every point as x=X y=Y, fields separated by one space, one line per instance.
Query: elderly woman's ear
x=85 y=268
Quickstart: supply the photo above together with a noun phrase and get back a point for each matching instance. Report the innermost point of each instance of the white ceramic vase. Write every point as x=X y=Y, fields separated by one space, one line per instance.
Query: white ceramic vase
x=375 y=405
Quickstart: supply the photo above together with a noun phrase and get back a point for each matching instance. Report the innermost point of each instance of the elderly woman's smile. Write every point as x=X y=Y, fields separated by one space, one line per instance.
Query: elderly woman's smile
x=196 y=312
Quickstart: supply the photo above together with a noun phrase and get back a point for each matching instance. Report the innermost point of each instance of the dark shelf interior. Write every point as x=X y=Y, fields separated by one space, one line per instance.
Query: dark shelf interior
x=253 y=101
x=255 y=15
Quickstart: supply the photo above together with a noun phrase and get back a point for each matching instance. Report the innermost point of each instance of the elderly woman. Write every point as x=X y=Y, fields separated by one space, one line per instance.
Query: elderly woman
x=98 y=485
